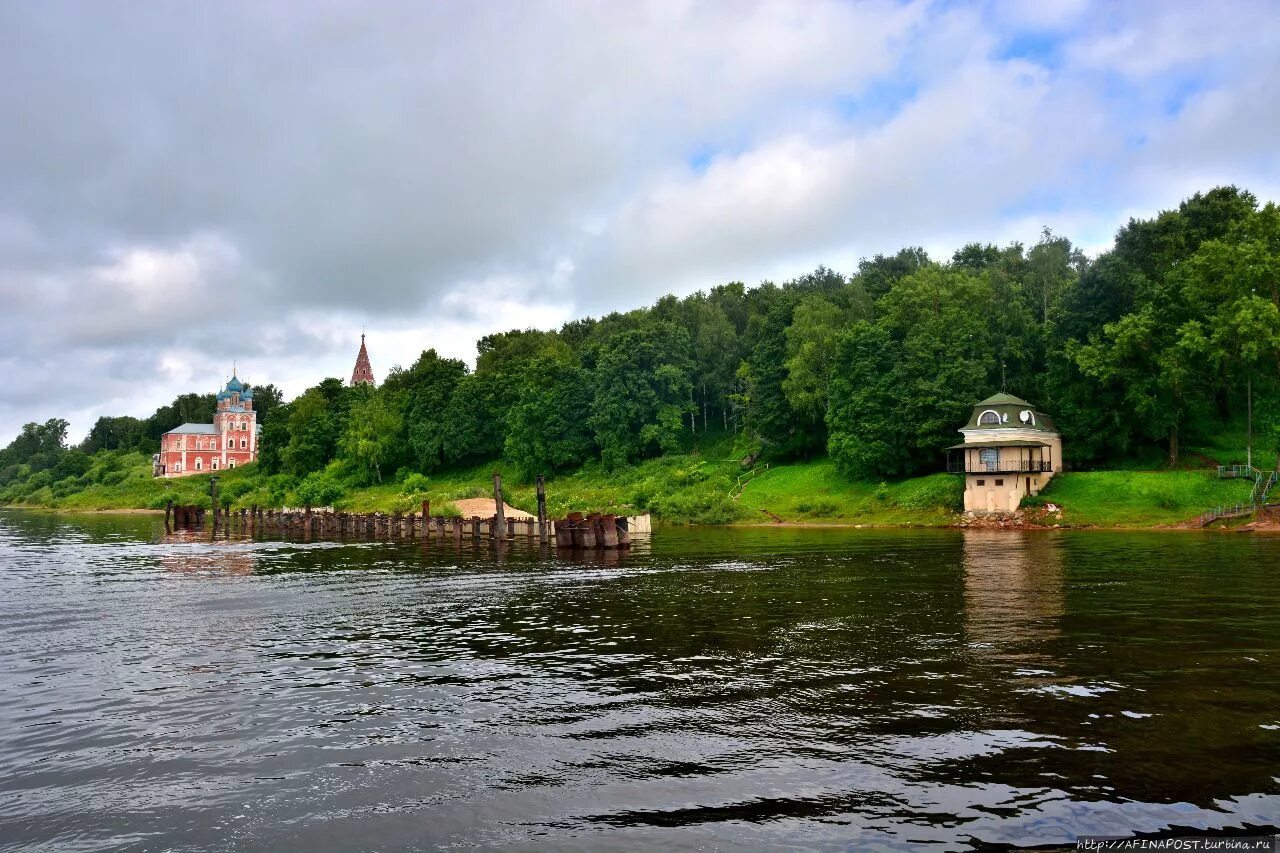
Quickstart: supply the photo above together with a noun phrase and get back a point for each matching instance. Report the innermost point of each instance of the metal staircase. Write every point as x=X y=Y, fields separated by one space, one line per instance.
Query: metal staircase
x=1262 y=485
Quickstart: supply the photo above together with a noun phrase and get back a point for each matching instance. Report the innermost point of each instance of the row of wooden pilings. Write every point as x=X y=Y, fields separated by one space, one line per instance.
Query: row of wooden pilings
x=594 y=530
x=577 y=531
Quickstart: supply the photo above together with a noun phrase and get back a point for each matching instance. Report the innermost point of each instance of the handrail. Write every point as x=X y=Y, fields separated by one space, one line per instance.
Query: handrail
x=743 y=479
x=1008 y=466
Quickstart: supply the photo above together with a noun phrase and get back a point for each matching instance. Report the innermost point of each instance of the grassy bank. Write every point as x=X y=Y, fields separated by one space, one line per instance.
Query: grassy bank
x=692 y=488
x=1140 y=498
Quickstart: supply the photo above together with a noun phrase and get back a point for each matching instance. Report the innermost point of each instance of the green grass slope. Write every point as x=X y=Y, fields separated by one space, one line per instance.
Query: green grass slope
x=697 y=488
x=1140 y=498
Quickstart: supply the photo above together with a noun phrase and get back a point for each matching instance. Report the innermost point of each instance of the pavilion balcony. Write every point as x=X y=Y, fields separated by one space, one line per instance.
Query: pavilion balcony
x=959 y=465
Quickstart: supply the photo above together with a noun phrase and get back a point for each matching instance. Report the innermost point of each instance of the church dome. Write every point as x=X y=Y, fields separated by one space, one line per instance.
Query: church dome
x=234 y=385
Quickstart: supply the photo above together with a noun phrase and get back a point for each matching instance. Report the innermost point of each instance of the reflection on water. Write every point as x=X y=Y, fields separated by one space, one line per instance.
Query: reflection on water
x=714 y=688
x=1014 y=594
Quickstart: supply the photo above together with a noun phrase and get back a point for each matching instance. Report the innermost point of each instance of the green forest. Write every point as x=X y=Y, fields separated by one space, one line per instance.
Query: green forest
x=1151 y=349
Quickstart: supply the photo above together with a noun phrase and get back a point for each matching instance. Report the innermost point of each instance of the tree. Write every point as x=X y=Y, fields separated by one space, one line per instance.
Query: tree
x=545 y=430
x=421 y=394
x=37 y=445
x=312 y=434
x=879 y=274
x=372 y=435
x=771 y=418
x=815 y=329
x=716 y=354
x=1154 y=364
x=473 y=421
x=266 y=399
x=642 y=391
x=120 y=433
x=1051 y=265
x=867 y=435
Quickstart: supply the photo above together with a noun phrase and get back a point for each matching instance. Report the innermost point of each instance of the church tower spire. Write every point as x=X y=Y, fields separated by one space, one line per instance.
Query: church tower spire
x=363 y=373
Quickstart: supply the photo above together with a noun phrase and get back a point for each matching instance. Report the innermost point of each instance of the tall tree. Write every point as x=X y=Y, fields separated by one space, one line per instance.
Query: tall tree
x=642 y=392
x=371 y=439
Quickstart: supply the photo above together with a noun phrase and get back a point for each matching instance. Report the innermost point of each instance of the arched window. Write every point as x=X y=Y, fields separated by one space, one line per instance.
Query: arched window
x=197 y=463
x=231 y=463
x=244 y=443
x=214 y=464
x=989 y=418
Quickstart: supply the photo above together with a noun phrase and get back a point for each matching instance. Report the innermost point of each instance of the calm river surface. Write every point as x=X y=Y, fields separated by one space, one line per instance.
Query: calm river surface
x=717 y=689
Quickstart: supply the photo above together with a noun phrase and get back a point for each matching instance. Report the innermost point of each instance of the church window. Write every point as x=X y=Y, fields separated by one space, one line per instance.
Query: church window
x=231 y=463
x=197 y=463
x=214 y=463
x=244 y=443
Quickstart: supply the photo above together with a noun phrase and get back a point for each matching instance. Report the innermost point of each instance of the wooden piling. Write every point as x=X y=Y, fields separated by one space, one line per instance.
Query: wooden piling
x=609 y=531
x=542 y=509
x=499 y=515
x=564 y=533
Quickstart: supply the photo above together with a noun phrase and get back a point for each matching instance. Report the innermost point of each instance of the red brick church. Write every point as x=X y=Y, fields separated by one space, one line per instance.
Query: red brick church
x=231 y=440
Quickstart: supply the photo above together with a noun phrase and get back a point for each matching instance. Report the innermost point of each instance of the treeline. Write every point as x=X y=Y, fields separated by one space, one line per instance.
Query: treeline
x=1149 y=346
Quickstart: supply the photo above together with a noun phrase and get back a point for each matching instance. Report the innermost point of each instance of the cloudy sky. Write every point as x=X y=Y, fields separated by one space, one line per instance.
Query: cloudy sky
x=187 y=183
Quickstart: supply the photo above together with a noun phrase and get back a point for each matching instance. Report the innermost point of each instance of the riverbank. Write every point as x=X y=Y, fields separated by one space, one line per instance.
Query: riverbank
x=677 y=489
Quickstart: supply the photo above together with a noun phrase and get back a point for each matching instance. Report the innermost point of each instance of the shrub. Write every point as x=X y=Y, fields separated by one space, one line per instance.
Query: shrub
x=236 y=489
x=702 y=506
x=317 y=489
x=824 y=508
x=415 y=483
x=278 y=488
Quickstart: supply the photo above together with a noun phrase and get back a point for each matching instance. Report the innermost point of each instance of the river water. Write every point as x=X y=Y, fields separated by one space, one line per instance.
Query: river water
x=721 y=689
